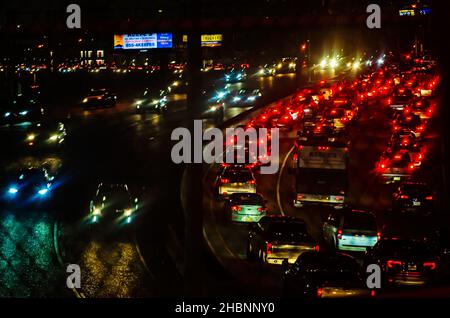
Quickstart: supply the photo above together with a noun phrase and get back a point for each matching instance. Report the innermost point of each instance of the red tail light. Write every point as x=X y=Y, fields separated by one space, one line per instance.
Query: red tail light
x=269 y=248
x=259 y=209
x=429 y=198
x=295 y=157
x=430 y=265
x=392 y=263
x=236 y=208
x=382 y=166
x=223 y=180
x=339 y=234
x=319 y=292
x=317 y=248
x=411 y=167
x=378 y=236
x=372 y=293
x=251 y=182
x=403 y=196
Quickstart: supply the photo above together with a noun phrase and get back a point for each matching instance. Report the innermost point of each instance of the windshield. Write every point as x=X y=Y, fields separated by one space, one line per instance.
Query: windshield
x=360 y=221
x=288 y=232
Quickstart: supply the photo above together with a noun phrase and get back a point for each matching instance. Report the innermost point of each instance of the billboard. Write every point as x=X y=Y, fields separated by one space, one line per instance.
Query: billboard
x=143 y=41
x=211 y=40
x=208 y=40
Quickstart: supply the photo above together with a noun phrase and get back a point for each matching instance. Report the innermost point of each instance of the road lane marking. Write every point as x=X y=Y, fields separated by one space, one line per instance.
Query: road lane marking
x=144 y=263
x=279 y=179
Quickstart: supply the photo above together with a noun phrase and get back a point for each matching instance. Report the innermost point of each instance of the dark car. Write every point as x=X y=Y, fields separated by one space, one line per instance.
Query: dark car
x=404 y=261
x=400 y=99
x=277 y=238
x=324 y=275
x=413 y=197
x=99 y=98
x=21 y=110
x=113 y=203
x=44 y=135
x=235 y=75
x=152 y=101
x=244 y=97
x=29 y=186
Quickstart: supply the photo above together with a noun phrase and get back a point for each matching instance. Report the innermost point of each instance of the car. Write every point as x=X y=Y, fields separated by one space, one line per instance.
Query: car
x=411 y=122
x=404 y=261
x=266 y=70
x=244 y=97
x=245 y=207
x=340 y=117
x=155 y=102
x=325 y=275
x=282 y=121
x=235 y=75
x=21 y=110
x=401 y=97
x=277 y=238
x=113 y=203
x=395 y=167
x=45 y=135
x=421 y=107
x=286 y=65
x=99 y=98
x=351 y=230
x=313 y=132
x=235 y=179
x=406 y=143
x=29 y=186
x=412 y=197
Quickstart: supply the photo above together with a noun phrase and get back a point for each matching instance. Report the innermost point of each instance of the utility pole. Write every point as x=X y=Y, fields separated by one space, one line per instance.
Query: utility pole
x=193 y=261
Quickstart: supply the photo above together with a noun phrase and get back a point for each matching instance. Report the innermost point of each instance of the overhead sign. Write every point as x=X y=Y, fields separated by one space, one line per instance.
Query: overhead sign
x=409 y=13
x=211 y=40
x=143 y=41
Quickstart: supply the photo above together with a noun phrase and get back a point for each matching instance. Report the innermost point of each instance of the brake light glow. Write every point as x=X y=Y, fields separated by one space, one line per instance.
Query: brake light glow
x=236 y=208
x=403 y=196
x=251 y=182
x=319 y=292
x=317 y=248
x=392 y=263
x=429 y=197
x=430 y=265
x=378 y=236
x=223 y=180
x=269 y=248
x=339 y=234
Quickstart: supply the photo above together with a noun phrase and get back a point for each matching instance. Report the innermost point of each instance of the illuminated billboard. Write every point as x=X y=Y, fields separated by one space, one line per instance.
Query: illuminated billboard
x=143 y=41
x=211 y=40
x=208 y=40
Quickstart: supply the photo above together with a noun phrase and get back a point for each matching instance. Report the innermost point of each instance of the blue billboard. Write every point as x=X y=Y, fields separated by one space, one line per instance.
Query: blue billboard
x=143 y=41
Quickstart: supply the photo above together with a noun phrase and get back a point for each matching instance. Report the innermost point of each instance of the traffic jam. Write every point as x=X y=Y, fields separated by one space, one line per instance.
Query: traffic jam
x=315 y=227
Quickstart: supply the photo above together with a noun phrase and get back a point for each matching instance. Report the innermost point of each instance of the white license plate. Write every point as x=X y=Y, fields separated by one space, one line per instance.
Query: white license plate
x=412 y=267
x=397 y=178
x=416 y=203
